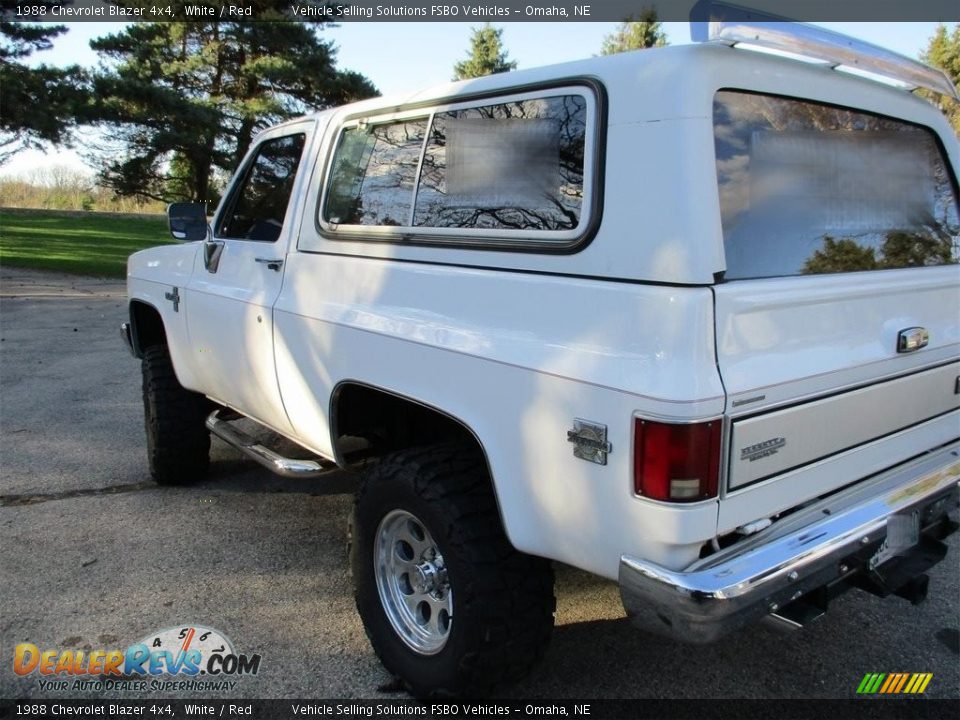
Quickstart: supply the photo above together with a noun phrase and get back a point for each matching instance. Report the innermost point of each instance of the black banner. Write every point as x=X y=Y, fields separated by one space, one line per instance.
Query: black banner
x=498 y=11
x=873 y=709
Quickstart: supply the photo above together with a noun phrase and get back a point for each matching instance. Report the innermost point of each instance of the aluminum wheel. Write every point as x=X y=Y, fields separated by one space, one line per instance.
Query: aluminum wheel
x=412 y=582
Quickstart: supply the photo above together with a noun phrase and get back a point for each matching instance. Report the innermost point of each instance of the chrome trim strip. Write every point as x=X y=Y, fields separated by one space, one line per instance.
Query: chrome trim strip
x=948 y=358
x=274 y=462
x=719 y=594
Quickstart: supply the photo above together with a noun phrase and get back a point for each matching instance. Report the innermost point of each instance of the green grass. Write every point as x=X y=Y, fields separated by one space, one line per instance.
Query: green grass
x=86 y=244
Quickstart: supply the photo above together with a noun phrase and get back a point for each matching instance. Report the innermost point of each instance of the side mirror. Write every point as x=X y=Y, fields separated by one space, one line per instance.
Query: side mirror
x=188 y=221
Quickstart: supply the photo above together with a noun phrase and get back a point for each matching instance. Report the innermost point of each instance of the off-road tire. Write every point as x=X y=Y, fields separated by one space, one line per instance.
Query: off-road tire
x=503 y=601
x=178 y=442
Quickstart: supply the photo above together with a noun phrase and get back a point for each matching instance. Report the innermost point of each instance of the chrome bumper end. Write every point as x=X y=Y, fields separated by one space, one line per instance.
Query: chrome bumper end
x=756 y=577
x=126 y=332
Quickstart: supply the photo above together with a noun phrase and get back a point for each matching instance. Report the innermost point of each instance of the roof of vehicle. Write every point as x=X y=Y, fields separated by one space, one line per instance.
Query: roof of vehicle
x=645 y=69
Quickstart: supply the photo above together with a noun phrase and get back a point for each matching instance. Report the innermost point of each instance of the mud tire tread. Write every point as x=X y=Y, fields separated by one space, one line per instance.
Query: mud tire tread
x=178 y=442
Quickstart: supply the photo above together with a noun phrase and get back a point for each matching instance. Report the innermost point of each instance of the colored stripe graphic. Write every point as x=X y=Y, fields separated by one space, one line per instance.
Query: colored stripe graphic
x=894 y=683
x=888 y=683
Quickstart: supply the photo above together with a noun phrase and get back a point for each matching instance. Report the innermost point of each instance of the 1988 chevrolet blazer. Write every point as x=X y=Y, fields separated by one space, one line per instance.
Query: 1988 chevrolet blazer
x=685 y=318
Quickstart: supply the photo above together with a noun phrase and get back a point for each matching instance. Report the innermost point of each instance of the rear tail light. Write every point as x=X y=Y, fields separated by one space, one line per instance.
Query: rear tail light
x=676 y=463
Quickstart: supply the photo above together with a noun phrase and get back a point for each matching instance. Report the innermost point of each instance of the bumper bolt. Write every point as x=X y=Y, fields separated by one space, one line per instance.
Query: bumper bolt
x=864 y=540
x=792 y=577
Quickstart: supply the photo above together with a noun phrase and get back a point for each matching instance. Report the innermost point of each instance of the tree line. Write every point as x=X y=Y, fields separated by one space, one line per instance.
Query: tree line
x=487 y=55
x=179 y=102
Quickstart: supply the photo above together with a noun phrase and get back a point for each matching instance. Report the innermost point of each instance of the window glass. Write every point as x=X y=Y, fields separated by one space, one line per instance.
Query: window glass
x=807 y=188
x=258 y=207
x=513 y=166
x=374 y=171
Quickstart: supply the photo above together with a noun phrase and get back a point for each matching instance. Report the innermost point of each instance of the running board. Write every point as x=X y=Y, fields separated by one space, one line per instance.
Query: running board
x=274 y=462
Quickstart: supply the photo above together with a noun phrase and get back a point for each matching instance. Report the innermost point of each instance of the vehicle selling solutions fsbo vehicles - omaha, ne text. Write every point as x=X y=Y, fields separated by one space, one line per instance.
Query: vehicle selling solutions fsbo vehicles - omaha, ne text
x=684 y=318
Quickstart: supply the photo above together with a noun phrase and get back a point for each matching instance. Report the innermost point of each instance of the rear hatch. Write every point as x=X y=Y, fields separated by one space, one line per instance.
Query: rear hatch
x=838 y=323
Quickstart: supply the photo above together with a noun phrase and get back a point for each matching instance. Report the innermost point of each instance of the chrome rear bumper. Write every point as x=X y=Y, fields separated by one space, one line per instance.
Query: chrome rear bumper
x=796 y=555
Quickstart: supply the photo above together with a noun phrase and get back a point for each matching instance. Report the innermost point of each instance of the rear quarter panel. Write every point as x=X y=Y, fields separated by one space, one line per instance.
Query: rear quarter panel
x=515 y=358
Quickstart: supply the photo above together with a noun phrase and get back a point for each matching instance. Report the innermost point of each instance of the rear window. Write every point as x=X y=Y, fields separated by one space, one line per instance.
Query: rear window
x=807 y=188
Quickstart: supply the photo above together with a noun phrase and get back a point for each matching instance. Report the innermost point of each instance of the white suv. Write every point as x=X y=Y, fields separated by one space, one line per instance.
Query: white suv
x=685 y=318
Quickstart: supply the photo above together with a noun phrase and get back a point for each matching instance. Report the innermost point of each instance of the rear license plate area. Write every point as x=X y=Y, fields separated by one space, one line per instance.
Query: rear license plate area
x=903 y=533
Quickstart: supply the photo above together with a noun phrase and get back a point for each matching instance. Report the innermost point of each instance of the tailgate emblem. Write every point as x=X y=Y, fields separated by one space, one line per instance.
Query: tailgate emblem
x=763 y=449
x=910 y=339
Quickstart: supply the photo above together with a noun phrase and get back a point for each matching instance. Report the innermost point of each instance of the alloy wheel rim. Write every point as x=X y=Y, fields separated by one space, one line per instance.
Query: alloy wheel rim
x=412 y=582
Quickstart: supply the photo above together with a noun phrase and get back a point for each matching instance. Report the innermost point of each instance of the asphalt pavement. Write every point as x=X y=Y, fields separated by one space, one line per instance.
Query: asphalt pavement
x=94 y=556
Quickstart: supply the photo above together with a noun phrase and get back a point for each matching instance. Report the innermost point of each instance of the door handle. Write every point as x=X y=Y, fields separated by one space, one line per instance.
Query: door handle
x=271 y=263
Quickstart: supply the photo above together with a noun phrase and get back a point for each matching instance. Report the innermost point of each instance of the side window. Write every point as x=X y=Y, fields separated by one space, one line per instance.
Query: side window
x=374 y=171
x=512 y=166
x=497 y=170
x=258 y=205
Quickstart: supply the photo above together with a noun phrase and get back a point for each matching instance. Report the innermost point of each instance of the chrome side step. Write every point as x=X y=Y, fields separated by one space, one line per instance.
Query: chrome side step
x=274 y=462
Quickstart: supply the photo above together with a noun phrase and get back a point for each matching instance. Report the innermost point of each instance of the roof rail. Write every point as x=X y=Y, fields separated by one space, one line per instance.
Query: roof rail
x=732 y=25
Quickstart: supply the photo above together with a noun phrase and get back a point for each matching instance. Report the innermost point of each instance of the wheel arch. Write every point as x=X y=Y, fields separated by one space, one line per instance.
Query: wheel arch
x=347 y=419
x=146 y=327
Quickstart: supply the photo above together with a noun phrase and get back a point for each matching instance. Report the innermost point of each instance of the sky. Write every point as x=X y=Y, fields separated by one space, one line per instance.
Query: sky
x=403 y=57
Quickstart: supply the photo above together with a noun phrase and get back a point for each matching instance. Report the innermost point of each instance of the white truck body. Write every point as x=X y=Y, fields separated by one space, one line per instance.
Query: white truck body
x=636 y=321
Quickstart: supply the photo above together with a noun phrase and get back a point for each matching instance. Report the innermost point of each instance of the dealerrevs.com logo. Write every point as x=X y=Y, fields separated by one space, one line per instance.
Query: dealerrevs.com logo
x=195 y=657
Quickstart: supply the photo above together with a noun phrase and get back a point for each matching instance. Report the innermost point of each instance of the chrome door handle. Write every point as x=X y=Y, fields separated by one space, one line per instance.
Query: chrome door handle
x=271 y=263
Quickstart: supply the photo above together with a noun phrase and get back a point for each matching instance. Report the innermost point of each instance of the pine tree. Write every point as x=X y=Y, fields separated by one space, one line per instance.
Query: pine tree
x=38 y=105
x=943 y=51
x=641 y=34
x=487 y=56
x=184 y=99
x=843 y=255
